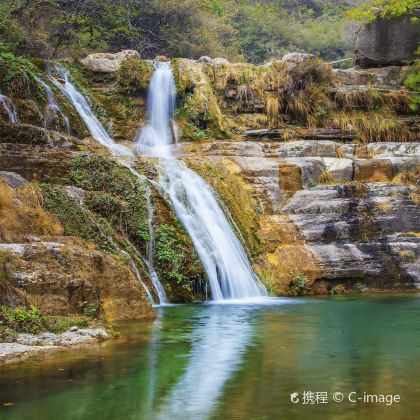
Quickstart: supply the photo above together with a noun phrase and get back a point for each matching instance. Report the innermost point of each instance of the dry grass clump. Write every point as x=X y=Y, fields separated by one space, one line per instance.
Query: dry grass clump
x=299 y=90
x=364 y=98
x=326 y=178
x=407 y=178
x=415 y=198
x=370 y=99
x=384 y=207
x=21 y=214
x=407 y=255
x=378 y=176
x=373 y=126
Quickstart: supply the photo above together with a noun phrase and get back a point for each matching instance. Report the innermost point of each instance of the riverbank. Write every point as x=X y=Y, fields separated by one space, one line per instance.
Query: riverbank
x=25 y=345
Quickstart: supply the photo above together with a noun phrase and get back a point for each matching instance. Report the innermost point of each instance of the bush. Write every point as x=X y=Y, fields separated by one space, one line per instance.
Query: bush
x=300 y=284
x=338 y=289
x=359 y=287
x=20 y=320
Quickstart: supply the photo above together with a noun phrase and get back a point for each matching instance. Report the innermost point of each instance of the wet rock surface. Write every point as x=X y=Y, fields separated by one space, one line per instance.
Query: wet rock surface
x=26 y=345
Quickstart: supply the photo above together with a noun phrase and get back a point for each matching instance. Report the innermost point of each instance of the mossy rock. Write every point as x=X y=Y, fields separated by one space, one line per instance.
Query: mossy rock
x=134 y=75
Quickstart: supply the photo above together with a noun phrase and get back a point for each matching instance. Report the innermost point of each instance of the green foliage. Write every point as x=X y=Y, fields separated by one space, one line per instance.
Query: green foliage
x=114 y=193
x=256 y=31
x=300 y=284
x=59 y=324
x=368 y=12
x=91 y=310
x=17 y=76
x=77 y=220
x=412 y=82
x=20 y=320
x=359 y=287
x=338 y=289
x=134 y=75
x=97 y=173
x=170 y=255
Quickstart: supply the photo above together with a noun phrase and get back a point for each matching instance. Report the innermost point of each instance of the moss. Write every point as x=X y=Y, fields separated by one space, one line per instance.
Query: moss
x=133 y=76
x=198 y=114
x=77 y=220
x=17 y=78
x=170 y=255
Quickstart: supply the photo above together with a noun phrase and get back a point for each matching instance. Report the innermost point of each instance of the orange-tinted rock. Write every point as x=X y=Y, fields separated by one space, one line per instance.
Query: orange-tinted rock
x=372 y=170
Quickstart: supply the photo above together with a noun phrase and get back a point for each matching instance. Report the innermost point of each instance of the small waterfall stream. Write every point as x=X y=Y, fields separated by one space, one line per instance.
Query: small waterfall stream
x=53 y=104
x=221 y=253
x=82 y=106
x=99 y=133
x=10 y=108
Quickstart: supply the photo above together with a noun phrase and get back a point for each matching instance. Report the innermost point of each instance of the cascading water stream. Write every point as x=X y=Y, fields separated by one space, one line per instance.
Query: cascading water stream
x=99 y=133
x=53 y=104
x=9 y=108
x=221 y=253
x=94 y=126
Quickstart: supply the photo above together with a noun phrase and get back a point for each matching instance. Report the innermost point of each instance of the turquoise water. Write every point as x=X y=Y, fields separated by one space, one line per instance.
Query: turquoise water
x=233 y=362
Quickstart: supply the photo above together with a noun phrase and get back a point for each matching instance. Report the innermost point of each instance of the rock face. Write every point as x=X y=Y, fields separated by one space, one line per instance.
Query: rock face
x=106 y=62
x=62 y=277
x=387 y=42
x=390 y=75
x=362 y=228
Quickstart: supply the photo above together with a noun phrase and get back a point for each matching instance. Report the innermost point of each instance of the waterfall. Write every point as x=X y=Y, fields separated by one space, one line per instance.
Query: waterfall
x=94 y=126
x=9 y=107
x=155 y=138
x=221 y=253
x=99 y=133
x=53 y=104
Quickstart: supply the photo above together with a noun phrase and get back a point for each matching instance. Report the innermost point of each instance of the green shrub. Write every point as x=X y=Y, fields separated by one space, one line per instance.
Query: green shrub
x=300 y=284
x=338 y=289
x=91 y=310
x=169 y=253
x=20 y=320
x=359 y=287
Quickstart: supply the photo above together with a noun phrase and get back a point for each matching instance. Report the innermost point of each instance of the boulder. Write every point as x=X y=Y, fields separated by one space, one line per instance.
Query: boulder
x=205 y=59
x=13 y=180
x=296 y=57
x=388 y=42
x=107 y=62
x=390 y=75
x=220 y=61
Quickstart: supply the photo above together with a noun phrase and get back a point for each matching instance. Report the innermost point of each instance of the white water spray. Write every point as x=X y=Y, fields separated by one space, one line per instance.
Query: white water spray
x=53 y=104
x=221 y=253
x=9 y=108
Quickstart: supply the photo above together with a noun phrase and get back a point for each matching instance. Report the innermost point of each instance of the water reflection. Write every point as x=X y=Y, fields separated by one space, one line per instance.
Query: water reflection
x=218 y=343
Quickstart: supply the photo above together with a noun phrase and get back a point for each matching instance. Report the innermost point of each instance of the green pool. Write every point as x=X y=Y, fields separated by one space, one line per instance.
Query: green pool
x=236 y=362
